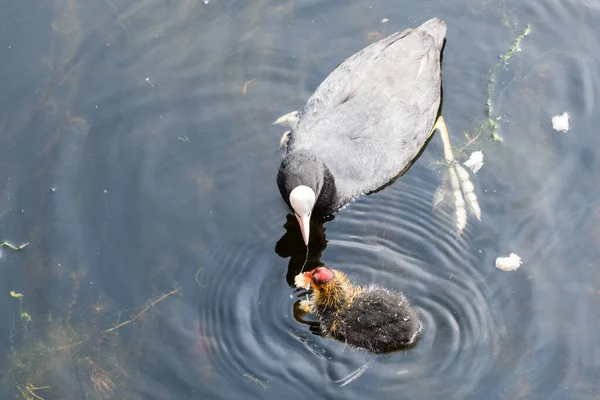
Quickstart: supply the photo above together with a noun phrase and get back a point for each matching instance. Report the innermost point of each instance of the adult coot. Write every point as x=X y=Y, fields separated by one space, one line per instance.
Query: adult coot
x=365 y=124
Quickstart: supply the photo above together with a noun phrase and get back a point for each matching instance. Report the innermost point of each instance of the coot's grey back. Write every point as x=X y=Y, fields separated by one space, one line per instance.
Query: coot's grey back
x=372 y=115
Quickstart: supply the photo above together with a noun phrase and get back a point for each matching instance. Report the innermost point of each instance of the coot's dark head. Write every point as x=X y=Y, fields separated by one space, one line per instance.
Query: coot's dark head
x=300 y=180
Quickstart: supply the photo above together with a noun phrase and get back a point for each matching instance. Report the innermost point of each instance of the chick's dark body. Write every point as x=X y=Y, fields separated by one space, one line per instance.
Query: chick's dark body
x=371 y=317
x=378 y=320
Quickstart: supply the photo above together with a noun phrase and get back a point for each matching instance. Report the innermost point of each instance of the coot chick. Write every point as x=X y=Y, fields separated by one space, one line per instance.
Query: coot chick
x=364 y=125
x=371 y=317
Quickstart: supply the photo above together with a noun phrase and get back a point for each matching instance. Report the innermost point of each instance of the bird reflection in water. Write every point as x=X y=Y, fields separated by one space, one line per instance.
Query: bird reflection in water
x=302 y=258
x=292 y=245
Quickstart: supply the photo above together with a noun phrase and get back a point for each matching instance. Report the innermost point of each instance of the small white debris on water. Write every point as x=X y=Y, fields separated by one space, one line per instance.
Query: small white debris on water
x=510 y=263
x=383 y=21
x=561 y=122
x=301 y=281
x=475 y=161
x=206 y=1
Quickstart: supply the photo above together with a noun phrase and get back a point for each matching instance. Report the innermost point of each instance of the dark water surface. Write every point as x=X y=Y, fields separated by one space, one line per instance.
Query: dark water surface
x=138 y=160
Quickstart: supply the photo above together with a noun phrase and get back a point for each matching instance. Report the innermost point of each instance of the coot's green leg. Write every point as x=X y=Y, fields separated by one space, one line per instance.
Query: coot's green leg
x=460 y=181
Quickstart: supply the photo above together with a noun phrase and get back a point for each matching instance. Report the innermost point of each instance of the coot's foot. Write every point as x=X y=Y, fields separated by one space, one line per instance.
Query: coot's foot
x=290 y=120
x=284 y=139
x=461 y=186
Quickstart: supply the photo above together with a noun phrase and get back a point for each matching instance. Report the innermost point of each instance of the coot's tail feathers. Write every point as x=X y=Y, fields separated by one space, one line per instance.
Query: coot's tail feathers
x=436 y=28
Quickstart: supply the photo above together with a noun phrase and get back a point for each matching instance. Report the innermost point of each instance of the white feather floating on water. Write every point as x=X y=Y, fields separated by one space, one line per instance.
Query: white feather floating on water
x=561 y=122
x=510 y=263
x=475 y=161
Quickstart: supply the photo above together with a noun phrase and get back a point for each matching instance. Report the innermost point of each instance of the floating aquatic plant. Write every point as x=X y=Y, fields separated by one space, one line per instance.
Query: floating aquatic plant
x=22 y=314
x=492 y=82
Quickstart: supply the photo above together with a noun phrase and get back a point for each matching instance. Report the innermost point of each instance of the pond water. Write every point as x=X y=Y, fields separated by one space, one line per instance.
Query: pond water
x=138 y=160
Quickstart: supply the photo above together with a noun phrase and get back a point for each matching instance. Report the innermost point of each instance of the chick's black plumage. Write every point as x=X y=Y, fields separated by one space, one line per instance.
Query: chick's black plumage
x=371 y=317
x=378 y=320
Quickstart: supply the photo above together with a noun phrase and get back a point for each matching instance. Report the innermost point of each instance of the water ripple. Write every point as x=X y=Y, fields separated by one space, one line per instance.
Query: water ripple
x=395 y=239
x=160 y=155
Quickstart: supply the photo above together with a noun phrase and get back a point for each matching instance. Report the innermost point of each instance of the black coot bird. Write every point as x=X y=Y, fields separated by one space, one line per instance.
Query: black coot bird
x=365 y=123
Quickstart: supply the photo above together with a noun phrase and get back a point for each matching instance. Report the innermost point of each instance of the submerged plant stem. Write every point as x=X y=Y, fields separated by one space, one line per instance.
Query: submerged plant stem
x=136 y=316
x=12 y=246
x=492 y=82
x=120 y=325
x=255 y=380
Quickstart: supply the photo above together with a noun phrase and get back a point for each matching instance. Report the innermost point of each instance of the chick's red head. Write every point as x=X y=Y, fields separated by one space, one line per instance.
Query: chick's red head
x=322 y=275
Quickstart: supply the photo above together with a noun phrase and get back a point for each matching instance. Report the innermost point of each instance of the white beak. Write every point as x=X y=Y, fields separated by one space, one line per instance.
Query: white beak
x=302 y=199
